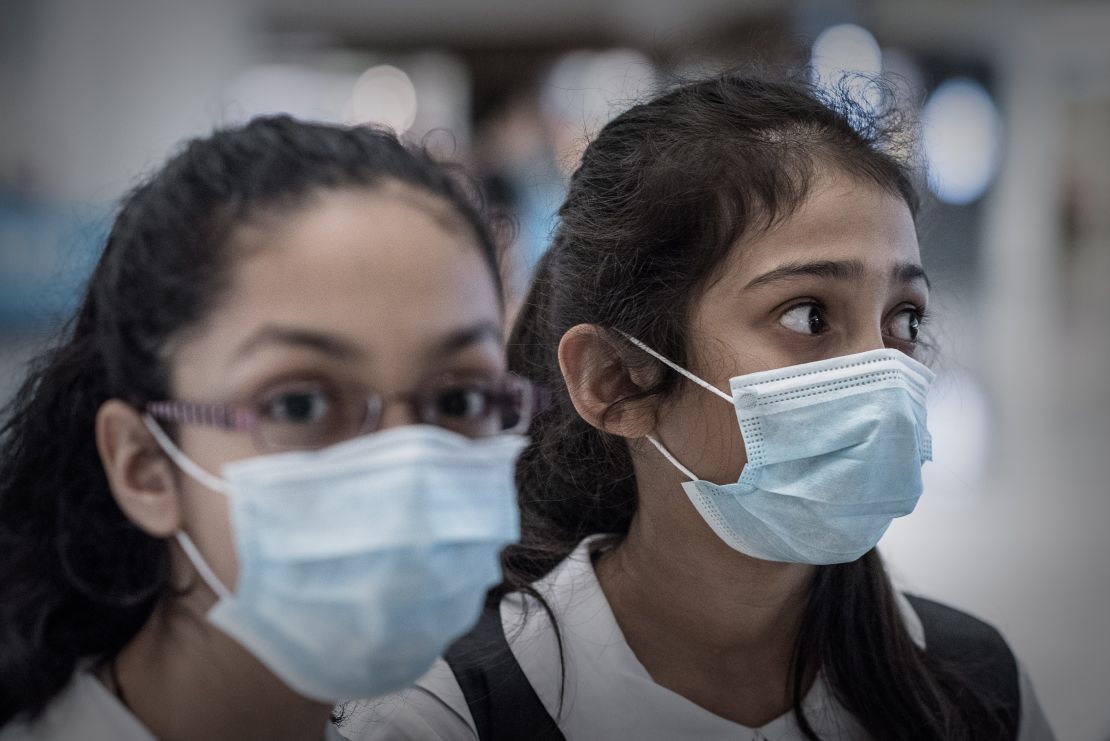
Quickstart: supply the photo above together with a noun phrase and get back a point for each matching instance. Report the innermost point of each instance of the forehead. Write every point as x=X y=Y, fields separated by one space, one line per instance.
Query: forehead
x=385 y=268
x=842 y=218
x=389 y=239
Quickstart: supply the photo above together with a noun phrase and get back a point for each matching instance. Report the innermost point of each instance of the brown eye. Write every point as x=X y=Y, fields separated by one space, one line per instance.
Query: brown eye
x=805 y=319
x=463 y=403
x=477 y=407
x=906 y=325
x=303 y=406
x=310 y=415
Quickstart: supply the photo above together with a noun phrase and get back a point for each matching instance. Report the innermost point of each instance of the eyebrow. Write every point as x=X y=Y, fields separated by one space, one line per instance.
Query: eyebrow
x=342 y=349
x=835 y=270
x=909 y=272
x=322 y=342
x=464 y=337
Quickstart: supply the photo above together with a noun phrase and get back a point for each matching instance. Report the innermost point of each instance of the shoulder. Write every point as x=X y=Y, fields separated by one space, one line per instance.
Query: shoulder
x=84 y=709
x=983 y=657
x=434 y=709
x=970 y=646
x=954 y=633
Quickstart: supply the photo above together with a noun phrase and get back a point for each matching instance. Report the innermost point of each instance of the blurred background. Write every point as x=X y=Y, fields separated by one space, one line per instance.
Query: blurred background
x=1013 y=105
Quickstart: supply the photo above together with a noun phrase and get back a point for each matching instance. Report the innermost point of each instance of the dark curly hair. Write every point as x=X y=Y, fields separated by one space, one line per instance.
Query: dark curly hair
x=77 y=579
x=660 y=198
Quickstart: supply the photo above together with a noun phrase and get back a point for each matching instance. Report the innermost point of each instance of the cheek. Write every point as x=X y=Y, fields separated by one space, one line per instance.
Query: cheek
x=206 y=519
x=205 y=513
x=702 y=432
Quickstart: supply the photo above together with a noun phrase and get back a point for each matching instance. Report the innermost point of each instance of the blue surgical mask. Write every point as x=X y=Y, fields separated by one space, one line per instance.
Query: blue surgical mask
x=834 y=450
x=360 y=563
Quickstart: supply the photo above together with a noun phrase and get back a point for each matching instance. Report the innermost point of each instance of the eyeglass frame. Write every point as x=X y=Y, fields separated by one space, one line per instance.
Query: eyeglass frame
x=245 y=417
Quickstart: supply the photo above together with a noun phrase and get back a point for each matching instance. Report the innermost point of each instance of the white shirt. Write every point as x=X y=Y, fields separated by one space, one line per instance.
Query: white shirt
x=609 y=694
x=86 y=710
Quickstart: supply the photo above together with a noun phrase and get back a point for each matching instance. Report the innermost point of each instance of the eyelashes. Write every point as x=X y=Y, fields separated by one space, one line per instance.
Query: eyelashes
x=805 y=318
x=810 y=317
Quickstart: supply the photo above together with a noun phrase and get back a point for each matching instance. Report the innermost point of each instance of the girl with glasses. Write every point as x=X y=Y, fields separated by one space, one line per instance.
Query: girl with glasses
x=269 y=466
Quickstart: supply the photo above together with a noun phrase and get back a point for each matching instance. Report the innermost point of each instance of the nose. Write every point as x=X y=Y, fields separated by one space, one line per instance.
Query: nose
x=397 y=413
x=867 y=336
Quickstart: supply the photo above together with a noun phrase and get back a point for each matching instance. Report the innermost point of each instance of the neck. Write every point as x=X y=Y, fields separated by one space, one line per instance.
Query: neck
x=706 y=621
x=184 y=679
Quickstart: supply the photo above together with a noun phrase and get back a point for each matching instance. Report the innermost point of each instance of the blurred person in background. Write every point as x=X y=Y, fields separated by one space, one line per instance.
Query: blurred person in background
x=729 y=318
x=269 y=467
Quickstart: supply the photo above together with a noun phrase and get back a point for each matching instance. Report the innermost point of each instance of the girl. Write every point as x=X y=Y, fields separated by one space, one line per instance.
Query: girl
x=265 y=471
x=729 y=319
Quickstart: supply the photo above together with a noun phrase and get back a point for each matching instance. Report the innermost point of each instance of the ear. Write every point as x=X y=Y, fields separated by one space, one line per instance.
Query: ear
x=598 y=377
x=140 y=475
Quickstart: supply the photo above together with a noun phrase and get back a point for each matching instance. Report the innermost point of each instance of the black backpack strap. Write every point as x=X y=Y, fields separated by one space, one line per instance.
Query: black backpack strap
x=501 y=699
x=978 y=651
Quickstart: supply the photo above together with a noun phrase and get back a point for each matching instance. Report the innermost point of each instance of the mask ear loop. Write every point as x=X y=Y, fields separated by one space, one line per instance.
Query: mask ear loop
x=202 y=567
x=203 y=477
x=674 y=461
x=679 y=369
x=183 y=461
x=676 y=367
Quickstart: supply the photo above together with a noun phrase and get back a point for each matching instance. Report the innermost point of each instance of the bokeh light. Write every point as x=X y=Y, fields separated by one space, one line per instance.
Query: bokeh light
x=961 y=133
x=384 y=95
x=847 y=56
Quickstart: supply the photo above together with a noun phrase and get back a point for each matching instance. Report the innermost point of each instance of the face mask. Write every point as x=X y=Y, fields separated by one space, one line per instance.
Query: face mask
x=360 y=563
x=834 y=451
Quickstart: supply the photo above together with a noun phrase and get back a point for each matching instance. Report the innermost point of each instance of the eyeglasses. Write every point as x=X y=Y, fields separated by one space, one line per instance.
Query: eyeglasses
x=311 y=415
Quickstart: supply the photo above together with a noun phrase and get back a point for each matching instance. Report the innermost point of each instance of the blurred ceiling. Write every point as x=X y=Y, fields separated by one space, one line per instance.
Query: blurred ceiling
x=652 y=23
x=513 y=22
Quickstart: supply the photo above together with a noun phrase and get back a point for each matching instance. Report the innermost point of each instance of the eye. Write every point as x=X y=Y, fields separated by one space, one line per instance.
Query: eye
x=906 y=325
x=299 y=406
x=805 y=319
x=463 y=402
